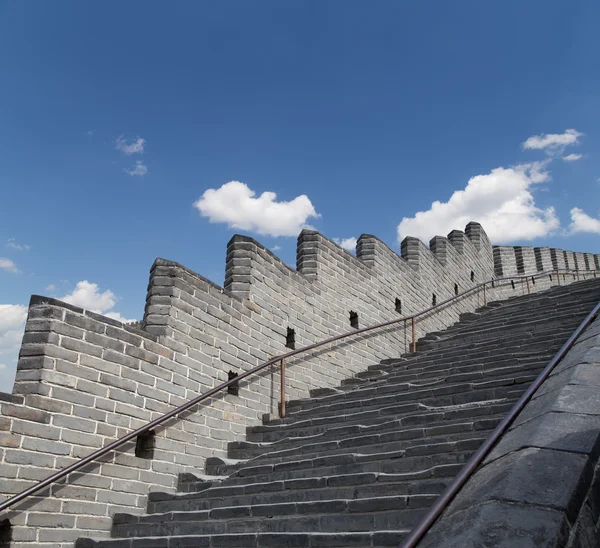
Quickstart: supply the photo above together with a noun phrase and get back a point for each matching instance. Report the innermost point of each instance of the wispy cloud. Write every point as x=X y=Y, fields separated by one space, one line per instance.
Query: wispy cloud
x=582 y=222
x=12 y=244
x=87 y=295
x=572 y=157
x=12 y=323
x=50 y=287
x=8 y=265
x=129 y=148
x=349 y=244
x=139 y=170
x=553 y=143
x=234 y=203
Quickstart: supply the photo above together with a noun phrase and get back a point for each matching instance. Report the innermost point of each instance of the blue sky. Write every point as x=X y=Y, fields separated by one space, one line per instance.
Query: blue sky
x=116 y=118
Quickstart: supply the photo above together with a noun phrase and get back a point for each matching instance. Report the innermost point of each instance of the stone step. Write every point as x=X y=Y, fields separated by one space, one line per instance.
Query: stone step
x=457 y=354
x=328 y=442
x=387 y=465
x=480 y=334
x=340 y=515
x=511 y=311
x=506 y=318
x=420 y=417
x=396 y=443
x=434 y=366
x=377 y=539
x=354 y=486
x=507 y=336
x=436 y=372
x=456 y=393
x=384 y=390
x=348 y=462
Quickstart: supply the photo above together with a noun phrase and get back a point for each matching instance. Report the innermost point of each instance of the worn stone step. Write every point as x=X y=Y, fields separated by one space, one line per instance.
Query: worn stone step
x=487 y=323
x=234 y=520
x=328 y=442
x=405 y=371
x=411 y=400
x=349 y=462
x=387 y=465
x=421 y=417
x=341 y=515
x=386 y=390
x=300 y=539
x=511 y=312
x=384 y=442
x=420 y=422
x=356 y=486
x=451 y=349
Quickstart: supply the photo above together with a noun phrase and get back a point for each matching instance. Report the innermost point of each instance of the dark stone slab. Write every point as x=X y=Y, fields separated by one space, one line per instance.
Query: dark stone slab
x=569 y=399
x=560 y=431
x=497 y=524
x=540 y=477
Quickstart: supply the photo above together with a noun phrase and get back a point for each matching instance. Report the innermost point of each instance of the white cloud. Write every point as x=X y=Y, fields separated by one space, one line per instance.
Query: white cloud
x=582 y=222
x=276 y=248
x=139 y=170
x=14 y=245
x=88 y=296
x=12 y=317
x=500 y=200
x=118 y=317
x=349 y=244
x=50 y=287
x=8 y=265
x=135 y=147
x=12 y=325
x=553 y=143
x=572 y=157
x=234 y=203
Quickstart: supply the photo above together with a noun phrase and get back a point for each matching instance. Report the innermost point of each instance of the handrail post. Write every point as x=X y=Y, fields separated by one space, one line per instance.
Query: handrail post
x=528 y=290
x=484 y=295
x=282 y=375
x=414 y=338
x=558 y=276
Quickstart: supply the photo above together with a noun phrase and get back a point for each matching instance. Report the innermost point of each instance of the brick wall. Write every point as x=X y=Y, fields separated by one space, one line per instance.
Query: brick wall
x=83 y=380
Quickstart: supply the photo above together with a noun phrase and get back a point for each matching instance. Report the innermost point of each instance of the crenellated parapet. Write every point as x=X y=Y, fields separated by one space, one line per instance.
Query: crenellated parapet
x=543 y=258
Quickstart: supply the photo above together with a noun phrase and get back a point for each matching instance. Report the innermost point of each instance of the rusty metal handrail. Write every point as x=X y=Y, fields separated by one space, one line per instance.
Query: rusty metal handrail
x=423 y=526
x=198 y=399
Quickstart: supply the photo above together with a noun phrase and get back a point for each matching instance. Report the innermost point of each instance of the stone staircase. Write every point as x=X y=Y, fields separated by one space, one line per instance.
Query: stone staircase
x=360 y=464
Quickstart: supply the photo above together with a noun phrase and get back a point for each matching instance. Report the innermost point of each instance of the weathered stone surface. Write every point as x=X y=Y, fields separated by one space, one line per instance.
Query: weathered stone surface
x=523 y=477
x=560 y=431
x=498 y=524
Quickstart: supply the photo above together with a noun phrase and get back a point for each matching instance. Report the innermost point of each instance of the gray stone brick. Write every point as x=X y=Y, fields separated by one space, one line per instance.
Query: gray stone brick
x=81 y=346
x=74 y=423
x=118 y=357
x=141 y=354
